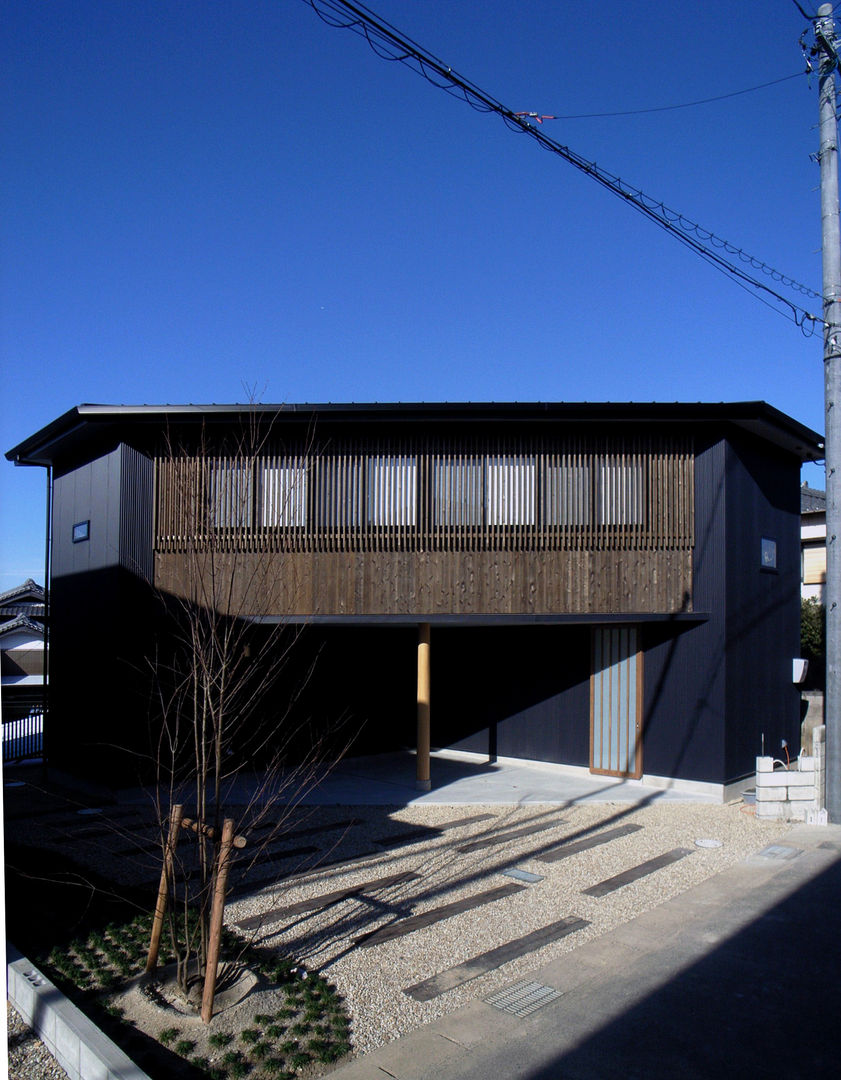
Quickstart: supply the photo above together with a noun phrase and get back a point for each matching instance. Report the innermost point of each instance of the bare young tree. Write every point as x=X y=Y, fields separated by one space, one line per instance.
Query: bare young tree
x=224 y=704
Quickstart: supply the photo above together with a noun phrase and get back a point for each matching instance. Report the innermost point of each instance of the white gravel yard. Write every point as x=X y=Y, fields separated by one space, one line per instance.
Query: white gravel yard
x=373 y=979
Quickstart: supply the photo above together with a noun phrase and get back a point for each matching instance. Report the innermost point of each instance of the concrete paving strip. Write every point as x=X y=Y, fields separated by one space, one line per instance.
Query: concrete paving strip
x=505 y=837
x=589 y=842
x=493 y=958
x=610 y=885
x=317 y=903
x=409 y=836
x=427 y=918
x=294 y=834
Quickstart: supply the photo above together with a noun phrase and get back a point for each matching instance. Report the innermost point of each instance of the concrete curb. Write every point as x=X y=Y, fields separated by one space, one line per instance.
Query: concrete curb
x=77 y=1044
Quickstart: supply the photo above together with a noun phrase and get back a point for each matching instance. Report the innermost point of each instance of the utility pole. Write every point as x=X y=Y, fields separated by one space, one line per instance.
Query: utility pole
x=826 y=48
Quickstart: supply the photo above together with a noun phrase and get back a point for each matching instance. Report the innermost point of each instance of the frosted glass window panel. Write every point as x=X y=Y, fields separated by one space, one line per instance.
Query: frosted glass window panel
x=457 y=491
x=229 y=494
x=621 y=493
x=392 y=490
x=340 y=492
x=284 y=495
x=567 y=494
x=510 y=491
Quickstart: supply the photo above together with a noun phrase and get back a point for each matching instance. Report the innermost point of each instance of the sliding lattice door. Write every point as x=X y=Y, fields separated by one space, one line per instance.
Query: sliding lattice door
x=616 y=702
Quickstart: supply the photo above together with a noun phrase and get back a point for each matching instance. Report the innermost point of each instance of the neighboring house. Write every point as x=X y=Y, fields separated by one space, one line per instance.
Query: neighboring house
x=611 y=587
x=812 y=543
x=22 y=667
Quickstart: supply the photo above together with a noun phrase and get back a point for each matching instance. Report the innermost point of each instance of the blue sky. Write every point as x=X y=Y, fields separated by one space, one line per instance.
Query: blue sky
x=208 y=201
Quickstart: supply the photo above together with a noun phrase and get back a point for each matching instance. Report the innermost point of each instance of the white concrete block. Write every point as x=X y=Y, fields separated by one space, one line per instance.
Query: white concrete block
x=91 y=1065
x=771 y=794
x=66 y=1048
x=806 y=762
x=803 y=794
x=774 y=779
x=801 y=779
x=771 y=811
x=764 y=764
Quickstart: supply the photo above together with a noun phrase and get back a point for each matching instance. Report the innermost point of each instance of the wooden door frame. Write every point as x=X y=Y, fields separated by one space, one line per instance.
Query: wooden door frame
x=638 y=726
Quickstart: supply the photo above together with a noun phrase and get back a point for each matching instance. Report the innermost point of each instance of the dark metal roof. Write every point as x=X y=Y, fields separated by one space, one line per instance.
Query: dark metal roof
x=812 y=500
x=74 y=429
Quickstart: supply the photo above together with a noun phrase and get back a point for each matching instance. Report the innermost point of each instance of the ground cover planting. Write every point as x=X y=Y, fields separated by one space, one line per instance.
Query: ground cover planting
x=286 y=1021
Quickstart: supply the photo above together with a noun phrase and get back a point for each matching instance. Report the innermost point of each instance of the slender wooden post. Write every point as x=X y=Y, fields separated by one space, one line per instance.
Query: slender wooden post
x=216 y=915
x=163 y=888
x=423 y=782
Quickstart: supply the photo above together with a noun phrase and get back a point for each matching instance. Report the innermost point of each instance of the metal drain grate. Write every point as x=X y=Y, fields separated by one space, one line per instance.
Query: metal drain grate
x=523 y=998
x=780 y=851
x=522 y=875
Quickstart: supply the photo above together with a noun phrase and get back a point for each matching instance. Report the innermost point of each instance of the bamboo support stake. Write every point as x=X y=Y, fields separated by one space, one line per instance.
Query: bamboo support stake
x=163 y=888
x=216 y=916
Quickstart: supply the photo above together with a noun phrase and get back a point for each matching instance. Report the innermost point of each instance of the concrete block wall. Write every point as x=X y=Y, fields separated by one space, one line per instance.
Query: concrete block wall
x=77 y=1044
x=796 y=793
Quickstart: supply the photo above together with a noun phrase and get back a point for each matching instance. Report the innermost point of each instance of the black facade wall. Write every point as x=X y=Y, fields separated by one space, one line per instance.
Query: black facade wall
x=513 y=692
x=102 y=629
x=763 y=608
x=685 y=668
x=349 y=689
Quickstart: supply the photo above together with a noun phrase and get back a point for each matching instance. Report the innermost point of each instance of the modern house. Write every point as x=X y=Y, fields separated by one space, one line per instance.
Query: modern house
x=608 y=587
x=812 y=543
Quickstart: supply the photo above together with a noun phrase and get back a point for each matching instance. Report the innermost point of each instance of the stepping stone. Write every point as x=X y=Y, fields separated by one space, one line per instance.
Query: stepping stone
x=317 y=903
x=494 y=958
x=588 y=842
x=428 y=918
x=294 y=834
x=505 y=837
x=610 y=885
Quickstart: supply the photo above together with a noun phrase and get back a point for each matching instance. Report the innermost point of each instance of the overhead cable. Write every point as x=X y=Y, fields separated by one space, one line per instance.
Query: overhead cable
x=389 y=44
x=684 y=105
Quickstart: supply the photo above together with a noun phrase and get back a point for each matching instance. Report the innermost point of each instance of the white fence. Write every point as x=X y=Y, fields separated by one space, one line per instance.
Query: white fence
x=23 y=737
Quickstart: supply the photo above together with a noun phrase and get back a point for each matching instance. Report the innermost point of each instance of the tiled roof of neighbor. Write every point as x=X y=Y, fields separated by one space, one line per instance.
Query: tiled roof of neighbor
x=812 y=501
x=26 y=599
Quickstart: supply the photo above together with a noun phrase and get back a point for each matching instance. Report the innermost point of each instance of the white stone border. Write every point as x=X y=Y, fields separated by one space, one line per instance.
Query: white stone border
x=77 y=1044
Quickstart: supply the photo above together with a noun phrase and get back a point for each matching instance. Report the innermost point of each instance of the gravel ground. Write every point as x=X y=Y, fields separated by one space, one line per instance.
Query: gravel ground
x=373 y=979
x=29 y=1059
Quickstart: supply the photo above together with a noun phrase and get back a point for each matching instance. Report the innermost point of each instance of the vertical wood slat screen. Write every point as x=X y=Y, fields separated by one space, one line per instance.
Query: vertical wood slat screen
x=426 y=495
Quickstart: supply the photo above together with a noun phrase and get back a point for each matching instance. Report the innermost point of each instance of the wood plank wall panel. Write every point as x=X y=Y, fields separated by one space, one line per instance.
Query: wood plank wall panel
x=419 y=584
x=449 y=525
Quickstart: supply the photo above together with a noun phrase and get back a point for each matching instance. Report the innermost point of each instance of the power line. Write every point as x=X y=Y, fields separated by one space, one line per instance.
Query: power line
x=389 y=44
x=671 y=108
